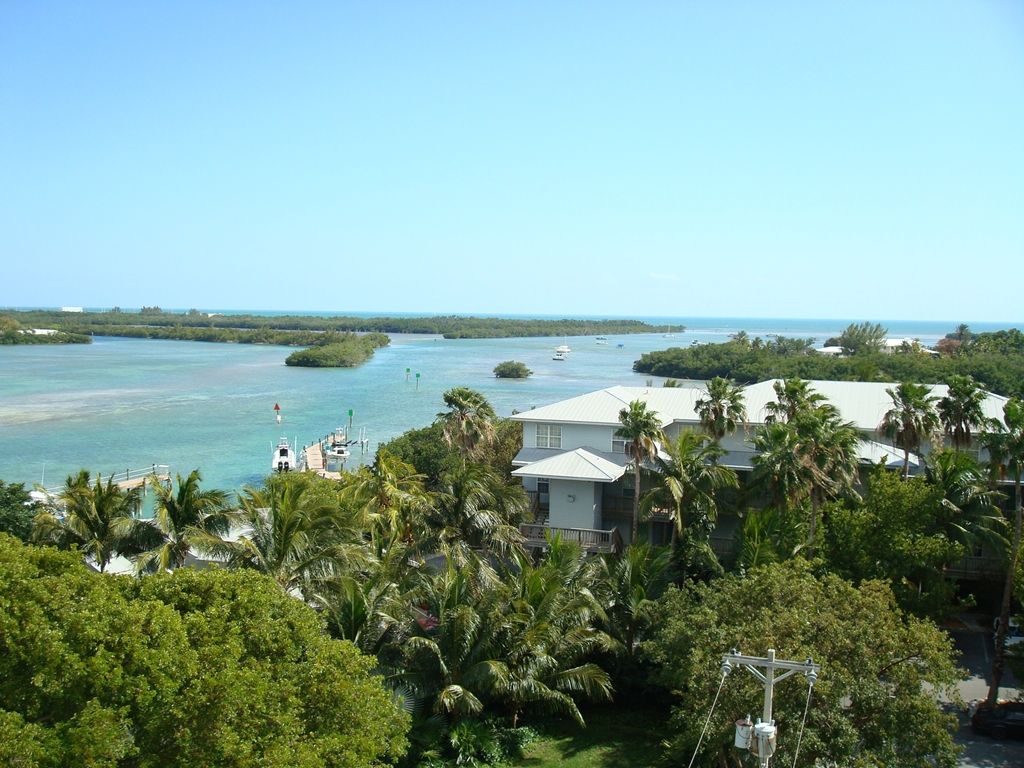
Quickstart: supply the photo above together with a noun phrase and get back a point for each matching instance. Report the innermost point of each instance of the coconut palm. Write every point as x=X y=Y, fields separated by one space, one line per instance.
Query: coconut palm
x=628 y=586
x=961 y=411
x=469 y=421
x=552 y=616
x=180 y=517
x=452 y=657
x=293 y=533
x=688 y=480
x=98 y=518
x=721 y=408
x=391 y=495
x=1005 y=444
x=912 y=419
x=973 y=516
x=474 y=509
x=641 y=430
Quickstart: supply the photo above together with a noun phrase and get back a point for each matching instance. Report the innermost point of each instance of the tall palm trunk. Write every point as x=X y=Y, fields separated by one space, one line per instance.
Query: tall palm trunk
x=906 y=463
x=636 y=501
x=999 y=657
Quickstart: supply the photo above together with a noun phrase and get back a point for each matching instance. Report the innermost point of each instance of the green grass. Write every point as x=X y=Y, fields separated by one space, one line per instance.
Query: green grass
x=615 y=737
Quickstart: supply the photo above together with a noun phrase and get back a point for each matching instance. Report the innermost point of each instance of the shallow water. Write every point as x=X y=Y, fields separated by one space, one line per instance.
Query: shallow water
x=128 y=403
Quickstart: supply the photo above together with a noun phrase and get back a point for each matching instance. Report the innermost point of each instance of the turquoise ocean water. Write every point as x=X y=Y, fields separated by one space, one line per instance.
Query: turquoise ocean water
x=126 y=403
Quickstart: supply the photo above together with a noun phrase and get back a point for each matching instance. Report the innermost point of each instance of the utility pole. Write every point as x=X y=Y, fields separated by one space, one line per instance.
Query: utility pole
x=762 y=743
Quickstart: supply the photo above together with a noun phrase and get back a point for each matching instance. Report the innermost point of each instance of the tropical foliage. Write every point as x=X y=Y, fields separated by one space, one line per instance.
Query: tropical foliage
x=994 y=360
x=511 y=369
x=875 y=701
x=211 y=668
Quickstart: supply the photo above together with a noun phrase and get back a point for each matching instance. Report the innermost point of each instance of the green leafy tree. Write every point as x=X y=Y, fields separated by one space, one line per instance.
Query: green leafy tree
x=641 y=430
x=721 y=408
x=911 y=420
x=875 y=701
x=16 y=510
x=961 y=411
x=792 y=396
x=469 y=421
x=180 y=517
x=98 y=518
x=862 y=338
x=511 y=369
x=193 y=668
x=899 y=532
x=1005 y=444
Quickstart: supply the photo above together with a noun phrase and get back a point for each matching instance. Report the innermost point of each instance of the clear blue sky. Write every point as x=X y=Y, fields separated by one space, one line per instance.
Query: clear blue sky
x=813 y=159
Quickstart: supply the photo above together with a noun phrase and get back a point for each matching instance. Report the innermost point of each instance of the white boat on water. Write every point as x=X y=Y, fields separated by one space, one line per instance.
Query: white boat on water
x=560 y=355
x=283 y=459
x=602 y=340
x=563 y=348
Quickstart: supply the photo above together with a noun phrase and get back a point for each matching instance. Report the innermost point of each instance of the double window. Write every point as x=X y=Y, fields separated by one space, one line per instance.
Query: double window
x=619 y=444
x=549 y=436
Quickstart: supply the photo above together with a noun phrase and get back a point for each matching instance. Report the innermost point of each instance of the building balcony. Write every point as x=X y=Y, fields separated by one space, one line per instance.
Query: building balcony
x=590 y=540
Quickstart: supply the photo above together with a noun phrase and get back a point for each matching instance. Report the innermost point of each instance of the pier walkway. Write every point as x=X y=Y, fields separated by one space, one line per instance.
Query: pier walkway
x=127 y=480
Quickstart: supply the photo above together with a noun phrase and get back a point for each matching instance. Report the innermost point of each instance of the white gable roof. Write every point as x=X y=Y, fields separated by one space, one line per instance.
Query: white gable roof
x=862 y=402
x=603 y=407
x=579 y=464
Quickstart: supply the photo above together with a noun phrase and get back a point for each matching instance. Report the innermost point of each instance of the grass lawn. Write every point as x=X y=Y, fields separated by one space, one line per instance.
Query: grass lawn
x=615 y=737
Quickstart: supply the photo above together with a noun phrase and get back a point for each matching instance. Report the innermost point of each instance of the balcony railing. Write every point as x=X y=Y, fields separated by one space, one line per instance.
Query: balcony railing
x=978 y=567
x=590 y=540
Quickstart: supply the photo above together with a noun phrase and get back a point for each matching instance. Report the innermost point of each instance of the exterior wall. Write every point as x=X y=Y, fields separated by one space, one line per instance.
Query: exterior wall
x=573 y=436
x=584 y=511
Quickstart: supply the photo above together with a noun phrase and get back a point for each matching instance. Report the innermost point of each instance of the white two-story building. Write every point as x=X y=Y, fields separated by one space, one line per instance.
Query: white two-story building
x=575 y=468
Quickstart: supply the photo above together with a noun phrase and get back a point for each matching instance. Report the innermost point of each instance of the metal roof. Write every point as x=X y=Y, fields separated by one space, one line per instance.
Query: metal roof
x=603 y=407
x=862 y=402
x=579 y=464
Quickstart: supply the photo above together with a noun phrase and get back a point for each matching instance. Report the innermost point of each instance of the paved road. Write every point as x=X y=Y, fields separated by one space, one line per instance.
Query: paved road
x=983 y=751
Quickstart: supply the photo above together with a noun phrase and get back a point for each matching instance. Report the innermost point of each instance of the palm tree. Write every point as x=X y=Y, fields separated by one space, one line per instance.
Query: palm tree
x=973 y=516
x=1005 y=444
x=97 y=518
x=641 y=429
x=453 y=658
x=792 y=396
x=392 y=496
x=469 y=421
x=294 y=534
x=628 y=586
x=911 y=420
x=474 y=509
x=812 y=457
x=961 y=411
x=689 y=479
x=721 y=409
x=180 y=517
x=553 y=612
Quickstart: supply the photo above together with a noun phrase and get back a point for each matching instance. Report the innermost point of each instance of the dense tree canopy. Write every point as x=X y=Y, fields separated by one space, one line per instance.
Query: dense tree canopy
x=211 y=668
x=874 y=702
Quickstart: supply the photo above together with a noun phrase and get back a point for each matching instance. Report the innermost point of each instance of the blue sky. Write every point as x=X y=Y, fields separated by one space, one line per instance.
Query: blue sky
x=811 y=159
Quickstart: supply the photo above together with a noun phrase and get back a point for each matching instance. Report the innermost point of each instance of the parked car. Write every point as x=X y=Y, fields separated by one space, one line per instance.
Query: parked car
x=1014 y=633
x=1001 y=721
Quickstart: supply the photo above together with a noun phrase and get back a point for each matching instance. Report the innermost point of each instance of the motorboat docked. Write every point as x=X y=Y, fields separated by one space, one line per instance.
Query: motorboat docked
x=283 y=459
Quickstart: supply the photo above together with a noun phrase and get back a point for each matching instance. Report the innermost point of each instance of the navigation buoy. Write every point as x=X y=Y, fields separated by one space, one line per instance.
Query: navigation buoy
x=277 y=412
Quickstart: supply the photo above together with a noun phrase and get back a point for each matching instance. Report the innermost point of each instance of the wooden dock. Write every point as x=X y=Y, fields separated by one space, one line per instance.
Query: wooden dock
x=315 y=462
x=131 y=479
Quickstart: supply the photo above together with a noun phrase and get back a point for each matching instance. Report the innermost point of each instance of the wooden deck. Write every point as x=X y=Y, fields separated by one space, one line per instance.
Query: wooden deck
x=590 y=540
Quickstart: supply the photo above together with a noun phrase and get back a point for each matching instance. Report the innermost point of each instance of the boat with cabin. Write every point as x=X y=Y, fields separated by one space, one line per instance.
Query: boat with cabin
x=283 y=458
